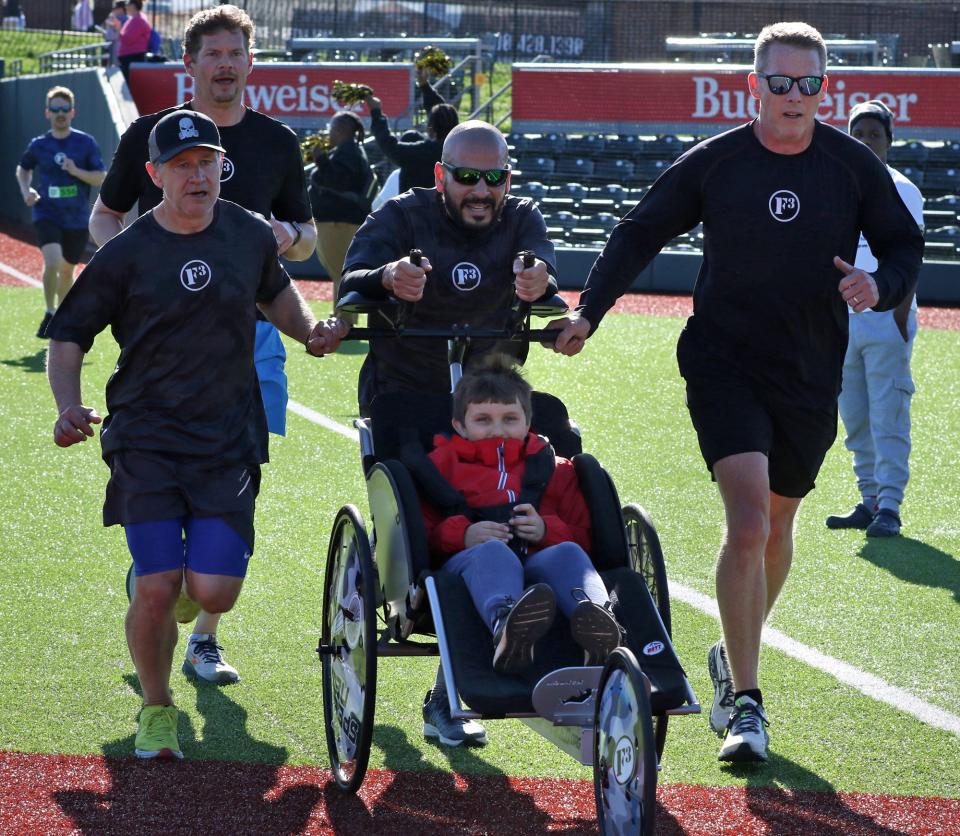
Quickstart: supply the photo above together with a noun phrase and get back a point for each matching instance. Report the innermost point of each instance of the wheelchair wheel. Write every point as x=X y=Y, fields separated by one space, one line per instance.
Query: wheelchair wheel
x=624 y=761
x=348 y=649
x=646 y=558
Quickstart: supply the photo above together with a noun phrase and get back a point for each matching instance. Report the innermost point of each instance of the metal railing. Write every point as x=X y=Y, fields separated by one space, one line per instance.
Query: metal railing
x=91 y=55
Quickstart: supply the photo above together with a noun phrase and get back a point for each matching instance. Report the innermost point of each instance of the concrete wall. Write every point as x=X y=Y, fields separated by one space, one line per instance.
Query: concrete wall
x=101 y=112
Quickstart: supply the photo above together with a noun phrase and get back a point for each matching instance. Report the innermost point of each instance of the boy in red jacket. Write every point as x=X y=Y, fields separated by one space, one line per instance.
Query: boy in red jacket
x=497 y=542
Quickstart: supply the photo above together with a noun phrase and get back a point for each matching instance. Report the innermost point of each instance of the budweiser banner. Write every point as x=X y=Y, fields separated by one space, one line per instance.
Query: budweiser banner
x=705 y=99
x=298 y=94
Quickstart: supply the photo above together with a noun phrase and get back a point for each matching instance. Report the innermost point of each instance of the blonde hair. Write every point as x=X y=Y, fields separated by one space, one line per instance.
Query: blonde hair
x=793 y=33
x=60 y=92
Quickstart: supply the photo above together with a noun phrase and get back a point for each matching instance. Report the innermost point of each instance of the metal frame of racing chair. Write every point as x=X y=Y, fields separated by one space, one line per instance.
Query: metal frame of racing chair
x=613 y=717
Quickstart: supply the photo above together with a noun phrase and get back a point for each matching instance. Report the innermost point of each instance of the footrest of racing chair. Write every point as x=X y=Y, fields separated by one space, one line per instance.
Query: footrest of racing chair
x=647 y=638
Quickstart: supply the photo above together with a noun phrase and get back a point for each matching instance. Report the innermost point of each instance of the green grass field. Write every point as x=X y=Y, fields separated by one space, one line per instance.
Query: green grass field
x=888 y=608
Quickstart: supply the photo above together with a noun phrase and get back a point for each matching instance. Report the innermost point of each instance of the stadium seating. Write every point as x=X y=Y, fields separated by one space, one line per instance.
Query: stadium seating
x=574 y=167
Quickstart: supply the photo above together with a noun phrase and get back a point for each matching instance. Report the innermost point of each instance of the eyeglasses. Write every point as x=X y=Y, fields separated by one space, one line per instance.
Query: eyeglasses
x=59 y=108
x=493 y=177
x=780 y=85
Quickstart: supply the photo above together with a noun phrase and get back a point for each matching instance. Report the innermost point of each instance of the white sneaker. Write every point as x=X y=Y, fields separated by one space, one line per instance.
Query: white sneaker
x=747 y=737
x=722 y=708
x=205 y=660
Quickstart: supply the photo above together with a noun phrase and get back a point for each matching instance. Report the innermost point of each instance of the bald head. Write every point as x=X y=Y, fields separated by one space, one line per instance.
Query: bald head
x=473 y=137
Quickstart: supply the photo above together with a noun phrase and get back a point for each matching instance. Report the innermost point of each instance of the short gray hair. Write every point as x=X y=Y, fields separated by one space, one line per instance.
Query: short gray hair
x=793 y=33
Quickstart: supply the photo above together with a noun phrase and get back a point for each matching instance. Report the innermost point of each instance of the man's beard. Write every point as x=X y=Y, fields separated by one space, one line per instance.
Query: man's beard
x=455 y=213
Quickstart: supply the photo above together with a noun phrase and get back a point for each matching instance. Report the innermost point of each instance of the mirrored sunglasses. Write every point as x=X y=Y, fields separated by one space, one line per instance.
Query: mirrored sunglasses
x=465 y=176
x=780 y=85
x=59 y=108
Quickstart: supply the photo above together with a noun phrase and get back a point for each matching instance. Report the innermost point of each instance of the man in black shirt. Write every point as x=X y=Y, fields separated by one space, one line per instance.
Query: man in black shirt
x=469 y=229
x=186 y=432
x=263 y=172
x=782 y=201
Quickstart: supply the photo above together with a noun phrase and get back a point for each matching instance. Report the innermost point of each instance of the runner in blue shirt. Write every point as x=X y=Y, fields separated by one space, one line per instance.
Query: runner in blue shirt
x=67 y=163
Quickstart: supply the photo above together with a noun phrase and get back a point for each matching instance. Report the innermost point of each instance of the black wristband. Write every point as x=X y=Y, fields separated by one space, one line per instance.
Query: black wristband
x=299 y=230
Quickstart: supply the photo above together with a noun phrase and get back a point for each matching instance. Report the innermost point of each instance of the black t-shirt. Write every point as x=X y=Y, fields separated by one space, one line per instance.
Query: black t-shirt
x=339 y=185
x=182 y=309
x=471 y=282
x=416 y=159
x=262 y=169
x=766 y=298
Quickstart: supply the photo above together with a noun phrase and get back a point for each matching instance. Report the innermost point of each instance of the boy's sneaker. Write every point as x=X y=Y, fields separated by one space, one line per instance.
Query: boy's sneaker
x=438 y=723
x=519 y=626
x=205 y=660
x=723 y=692
x=885 y=524
x=157 y=733
x=42 y=330
x=858 y=518
x=596 y=630
x=747 y=737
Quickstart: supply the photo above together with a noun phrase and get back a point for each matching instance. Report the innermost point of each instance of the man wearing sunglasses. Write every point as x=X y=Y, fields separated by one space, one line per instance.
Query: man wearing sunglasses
x=782 y=201
x=67 y=163
x=469 y=230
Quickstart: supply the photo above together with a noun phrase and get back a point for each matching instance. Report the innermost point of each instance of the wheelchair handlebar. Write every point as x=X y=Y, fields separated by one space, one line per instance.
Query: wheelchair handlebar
x=456 y=332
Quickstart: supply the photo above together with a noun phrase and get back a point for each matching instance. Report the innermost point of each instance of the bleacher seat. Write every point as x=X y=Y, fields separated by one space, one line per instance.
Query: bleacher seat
x=578 y=167
x=606 y=221
x=939 y=180
x=667 y=147
x=647 y=170
x=548 y=145
x=590 y=146
x=913 y=174
x=560 y=224
x=533 y=189
x=942 y=243
x=912 y=153
x=536 y=166
x=948 y=202
x=946 y=155
x=623 y=147
x=517 y=143
x=613 y=171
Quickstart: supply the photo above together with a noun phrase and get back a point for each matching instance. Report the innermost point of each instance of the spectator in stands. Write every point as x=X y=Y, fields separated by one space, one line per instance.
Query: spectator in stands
x=82 y=20
x=112 y=26
x=877 y=384
x=67 y=163
x=134 y=37
x=783 y=200
x=342 y=188
x=416 y=158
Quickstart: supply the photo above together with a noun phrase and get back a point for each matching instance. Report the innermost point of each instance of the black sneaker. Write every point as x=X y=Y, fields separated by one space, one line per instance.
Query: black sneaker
x=596 y=630
x=746 y=738
x=42 y=330
x=885 y=524
x=859 y=517
x=723 y=692
x=438 y=724
x=519 y=627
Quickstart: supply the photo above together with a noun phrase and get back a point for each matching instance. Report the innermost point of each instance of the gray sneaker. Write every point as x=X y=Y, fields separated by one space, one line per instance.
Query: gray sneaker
x=205 y=660
x=747 y=737
x=438 y=724
x=723 y=704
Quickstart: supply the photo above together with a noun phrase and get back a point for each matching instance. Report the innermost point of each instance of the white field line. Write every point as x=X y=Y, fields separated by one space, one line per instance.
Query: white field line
x=866 y=683
x=23 y=277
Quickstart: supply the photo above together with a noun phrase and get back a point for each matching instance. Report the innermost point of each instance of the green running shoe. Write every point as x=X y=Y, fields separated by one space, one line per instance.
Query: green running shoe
x=157 y=733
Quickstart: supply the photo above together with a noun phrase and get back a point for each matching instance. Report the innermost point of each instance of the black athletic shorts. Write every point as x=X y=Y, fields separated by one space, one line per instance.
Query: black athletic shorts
x=146 y=487
x=73 y=242
x=733 y=413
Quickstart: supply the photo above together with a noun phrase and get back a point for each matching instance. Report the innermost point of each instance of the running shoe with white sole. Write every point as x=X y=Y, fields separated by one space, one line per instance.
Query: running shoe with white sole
x=205 y=660
x=596 y=630
x=746 y=738
x=157 y=733
x=723 y=706
x=520 y=626
x=438 y=724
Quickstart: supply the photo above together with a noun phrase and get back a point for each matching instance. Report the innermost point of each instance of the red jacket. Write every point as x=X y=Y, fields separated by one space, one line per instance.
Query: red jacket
x=490 y=472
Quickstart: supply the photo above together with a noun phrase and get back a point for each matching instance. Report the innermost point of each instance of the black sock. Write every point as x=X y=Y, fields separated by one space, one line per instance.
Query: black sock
x=753 y=693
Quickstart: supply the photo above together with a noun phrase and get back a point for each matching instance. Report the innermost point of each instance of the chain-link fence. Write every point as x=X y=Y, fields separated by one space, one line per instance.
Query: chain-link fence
x=899 y=32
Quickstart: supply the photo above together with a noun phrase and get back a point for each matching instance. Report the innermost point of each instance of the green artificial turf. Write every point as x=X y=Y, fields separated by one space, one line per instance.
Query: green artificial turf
x=888 y=608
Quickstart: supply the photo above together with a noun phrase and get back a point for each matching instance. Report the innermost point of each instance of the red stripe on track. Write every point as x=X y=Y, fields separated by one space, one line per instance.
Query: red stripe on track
x=17 y=250
x=56 y=794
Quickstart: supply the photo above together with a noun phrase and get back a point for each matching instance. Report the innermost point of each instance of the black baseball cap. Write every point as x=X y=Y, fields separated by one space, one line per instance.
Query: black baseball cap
x=180 y=130
x=874 y=109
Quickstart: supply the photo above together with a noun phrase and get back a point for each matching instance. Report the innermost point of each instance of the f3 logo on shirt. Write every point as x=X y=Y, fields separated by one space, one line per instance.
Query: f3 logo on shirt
x=466 y=276
x=228 y=168
x=195 y=275
x=784 y=205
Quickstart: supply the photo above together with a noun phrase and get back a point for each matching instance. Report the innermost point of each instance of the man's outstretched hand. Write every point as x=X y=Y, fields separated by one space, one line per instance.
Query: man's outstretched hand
x=75 y=424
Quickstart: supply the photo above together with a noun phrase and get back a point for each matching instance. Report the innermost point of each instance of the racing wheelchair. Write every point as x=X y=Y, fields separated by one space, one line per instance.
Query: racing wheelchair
x=379 y=597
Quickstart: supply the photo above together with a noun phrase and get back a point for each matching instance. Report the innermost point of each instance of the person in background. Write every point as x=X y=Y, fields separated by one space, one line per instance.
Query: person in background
x=134 y=37
x=111 y=29
x=341 y=192
x=877 y=385
x=67 y=162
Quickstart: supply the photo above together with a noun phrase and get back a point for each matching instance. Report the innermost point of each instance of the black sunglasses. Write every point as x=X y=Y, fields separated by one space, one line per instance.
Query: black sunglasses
x=780 y=85
x=493 y=177
x=59 y=108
